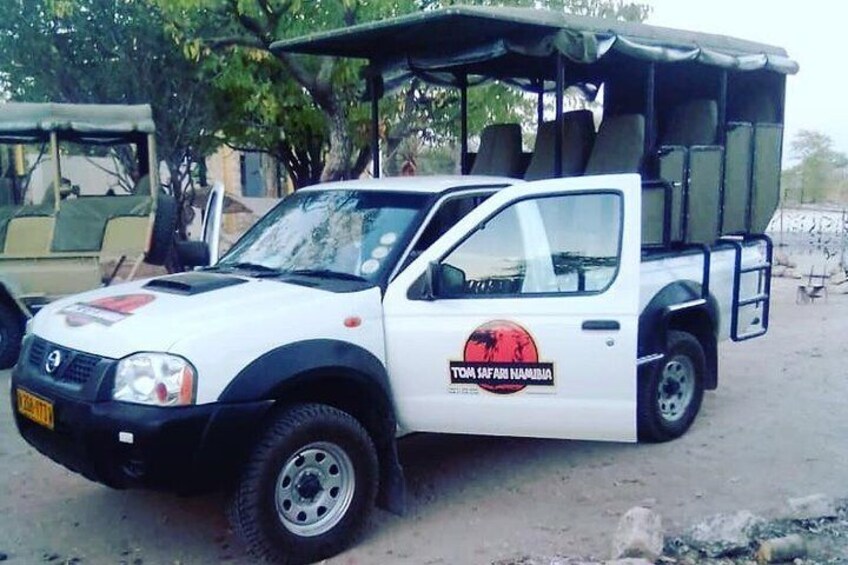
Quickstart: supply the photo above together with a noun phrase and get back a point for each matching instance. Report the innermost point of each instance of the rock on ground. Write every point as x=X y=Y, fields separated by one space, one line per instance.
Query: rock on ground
x=639 y=535
x=723 y=534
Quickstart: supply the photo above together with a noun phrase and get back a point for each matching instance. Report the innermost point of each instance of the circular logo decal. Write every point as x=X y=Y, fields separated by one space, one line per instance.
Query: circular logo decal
x=501 y=357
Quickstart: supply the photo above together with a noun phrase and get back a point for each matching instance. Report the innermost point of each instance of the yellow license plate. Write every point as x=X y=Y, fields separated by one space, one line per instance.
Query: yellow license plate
x=35 y=408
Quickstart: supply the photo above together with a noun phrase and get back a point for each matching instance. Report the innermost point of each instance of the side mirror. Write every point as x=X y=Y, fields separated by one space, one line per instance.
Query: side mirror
x=429 y=289
x=451 y=281
x=193 y=254
x=438 y=281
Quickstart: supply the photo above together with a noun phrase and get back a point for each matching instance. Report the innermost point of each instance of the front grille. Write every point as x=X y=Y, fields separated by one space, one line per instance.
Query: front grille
x=79 y=370
x=76 y=367
x=37 y=352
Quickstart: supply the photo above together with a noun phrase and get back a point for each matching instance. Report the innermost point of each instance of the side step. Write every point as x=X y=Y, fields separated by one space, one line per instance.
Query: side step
x=761 y=299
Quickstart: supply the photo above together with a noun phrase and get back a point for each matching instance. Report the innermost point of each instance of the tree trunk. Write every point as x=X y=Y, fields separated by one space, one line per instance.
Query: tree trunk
x=337 y=163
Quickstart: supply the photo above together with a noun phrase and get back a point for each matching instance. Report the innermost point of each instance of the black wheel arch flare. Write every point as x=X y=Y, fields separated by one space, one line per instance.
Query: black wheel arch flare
x=337 y=373
x=680 y=305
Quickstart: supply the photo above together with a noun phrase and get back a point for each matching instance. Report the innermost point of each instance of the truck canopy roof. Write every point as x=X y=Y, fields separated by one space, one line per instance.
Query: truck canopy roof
x=435 y=184
x=508 y=42
x=94 y=123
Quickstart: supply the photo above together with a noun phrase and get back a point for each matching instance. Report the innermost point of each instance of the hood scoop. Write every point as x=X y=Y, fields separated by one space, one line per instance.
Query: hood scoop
x=189 y=284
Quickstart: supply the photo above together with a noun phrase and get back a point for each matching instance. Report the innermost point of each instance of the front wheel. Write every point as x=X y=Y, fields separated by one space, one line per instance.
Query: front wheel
x=11 y=334
x=670 y=392
x=308 y=487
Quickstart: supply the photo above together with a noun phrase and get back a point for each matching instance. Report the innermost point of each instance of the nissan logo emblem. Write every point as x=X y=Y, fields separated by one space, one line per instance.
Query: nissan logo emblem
x=54 y=359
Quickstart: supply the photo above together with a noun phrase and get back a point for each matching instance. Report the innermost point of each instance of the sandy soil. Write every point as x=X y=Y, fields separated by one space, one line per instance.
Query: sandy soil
x=776 y=428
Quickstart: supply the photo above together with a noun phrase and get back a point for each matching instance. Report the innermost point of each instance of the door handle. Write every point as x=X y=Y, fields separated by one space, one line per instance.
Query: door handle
x=601 y=325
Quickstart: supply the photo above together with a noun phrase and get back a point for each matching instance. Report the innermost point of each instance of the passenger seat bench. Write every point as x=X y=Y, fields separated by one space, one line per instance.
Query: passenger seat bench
x=108 y=224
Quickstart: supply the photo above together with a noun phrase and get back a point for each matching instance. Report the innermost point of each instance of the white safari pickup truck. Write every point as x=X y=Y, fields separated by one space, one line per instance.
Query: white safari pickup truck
x=584 y=301
x=356 y=312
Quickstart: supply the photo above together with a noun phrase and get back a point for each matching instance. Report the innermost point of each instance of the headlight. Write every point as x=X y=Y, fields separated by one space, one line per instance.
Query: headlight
x=158 y=379
x=28 y=327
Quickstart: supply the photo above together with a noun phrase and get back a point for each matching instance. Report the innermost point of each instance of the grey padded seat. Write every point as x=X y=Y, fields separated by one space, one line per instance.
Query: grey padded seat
x=692 y=123
x=500 y=151
x=619 y=146
x=578 y=137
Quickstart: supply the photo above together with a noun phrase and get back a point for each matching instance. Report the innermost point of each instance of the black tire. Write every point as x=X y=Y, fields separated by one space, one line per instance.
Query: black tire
x=670 y=392
x=164 y=230
x=258 y=517
x=11 y=334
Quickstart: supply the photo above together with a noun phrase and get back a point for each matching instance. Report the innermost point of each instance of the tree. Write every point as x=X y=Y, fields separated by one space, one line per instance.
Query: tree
x=820 y=172
x=109 y=51
x=307 y=111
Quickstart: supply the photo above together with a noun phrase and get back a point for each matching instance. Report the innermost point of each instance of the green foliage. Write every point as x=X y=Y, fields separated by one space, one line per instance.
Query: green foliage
x=108 y=51
x=821 y=172
x=307 y=111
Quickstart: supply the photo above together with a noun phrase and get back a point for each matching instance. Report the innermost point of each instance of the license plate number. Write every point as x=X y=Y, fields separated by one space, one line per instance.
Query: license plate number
x=35 y=408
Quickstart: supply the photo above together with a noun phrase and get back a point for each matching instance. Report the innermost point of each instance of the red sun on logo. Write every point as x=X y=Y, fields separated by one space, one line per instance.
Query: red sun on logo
x=501 y=357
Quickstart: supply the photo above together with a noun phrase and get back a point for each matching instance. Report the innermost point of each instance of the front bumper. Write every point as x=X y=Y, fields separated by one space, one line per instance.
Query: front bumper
x=124 y=445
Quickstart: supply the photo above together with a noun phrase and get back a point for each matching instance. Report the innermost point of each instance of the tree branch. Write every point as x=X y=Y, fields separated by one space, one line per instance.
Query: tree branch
x=234 y=41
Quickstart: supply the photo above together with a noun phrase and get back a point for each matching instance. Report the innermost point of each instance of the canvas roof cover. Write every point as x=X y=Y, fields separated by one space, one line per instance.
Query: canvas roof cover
x=499 y=42
x=23 y=121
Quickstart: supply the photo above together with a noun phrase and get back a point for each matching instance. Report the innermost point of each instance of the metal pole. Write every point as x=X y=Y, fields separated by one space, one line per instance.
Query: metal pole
x=375 y=124
x=650 y=108
x=560 y=87
x=540 y=104
x=153 y=165
x=463 y=111
x=57 y=170
x=722 y=109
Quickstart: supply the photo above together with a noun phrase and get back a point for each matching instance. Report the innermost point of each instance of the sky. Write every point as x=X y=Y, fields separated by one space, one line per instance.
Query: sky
x=814 y=33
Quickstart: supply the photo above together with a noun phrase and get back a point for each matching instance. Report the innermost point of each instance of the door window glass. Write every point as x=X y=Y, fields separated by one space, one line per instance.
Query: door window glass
x=561 y=244
x=583 y=232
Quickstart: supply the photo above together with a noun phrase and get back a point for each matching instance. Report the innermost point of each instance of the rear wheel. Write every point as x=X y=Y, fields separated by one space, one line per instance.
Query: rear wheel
x=11 y=334
x=308 y=487
x=670 y=392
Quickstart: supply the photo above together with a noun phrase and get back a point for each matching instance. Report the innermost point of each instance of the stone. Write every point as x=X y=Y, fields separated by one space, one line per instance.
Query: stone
x=629 y=561
x=639 y=535
x=812 y=507
x=723 y=535
x=780 y=550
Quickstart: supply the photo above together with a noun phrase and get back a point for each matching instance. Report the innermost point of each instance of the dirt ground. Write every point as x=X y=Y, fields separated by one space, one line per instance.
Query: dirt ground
x=777 y=427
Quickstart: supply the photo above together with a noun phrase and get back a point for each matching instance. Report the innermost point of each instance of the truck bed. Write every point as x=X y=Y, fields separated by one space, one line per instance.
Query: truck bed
x=662 y=268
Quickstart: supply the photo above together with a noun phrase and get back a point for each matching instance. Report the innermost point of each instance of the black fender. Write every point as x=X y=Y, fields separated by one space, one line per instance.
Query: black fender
x=337 y=373
x=681 y=305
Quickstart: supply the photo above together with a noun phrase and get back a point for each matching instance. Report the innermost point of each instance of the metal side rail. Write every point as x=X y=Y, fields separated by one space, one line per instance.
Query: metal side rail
x=763 y=294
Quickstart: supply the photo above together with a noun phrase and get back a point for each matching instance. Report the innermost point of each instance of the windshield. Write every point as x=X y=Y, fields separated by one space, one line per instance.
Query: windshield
x=331 y=233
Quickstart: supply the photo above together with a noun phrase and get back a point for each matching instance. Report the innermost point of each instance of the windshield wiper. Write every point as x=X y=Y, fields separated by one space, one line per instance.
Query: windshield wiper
x=328 y=274
x=256 y=268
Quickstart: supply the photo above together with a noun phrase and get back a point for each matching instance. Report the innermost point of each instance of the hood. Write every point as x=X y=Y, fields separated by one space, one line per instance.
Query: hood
x=154 y=314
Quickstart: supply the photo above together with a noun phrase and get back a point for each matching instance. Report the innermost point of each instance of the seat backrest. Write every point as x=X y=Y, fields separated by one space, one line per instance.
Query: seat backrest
x=619 y=147
x=578 y=137
x=82 y=222
x=500 y=151
x=29 y=236
x=692 y=123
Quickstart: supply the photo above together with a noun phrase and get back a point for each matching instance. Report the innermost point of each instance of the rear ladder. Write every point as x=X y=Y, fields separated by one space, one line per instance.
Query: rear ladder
x=762 y=297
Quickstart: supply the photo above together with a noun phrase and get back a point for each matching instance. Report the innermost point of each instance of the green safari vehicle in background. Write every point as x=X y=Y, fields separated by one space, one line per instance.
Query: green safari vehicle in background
x=63 y=239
